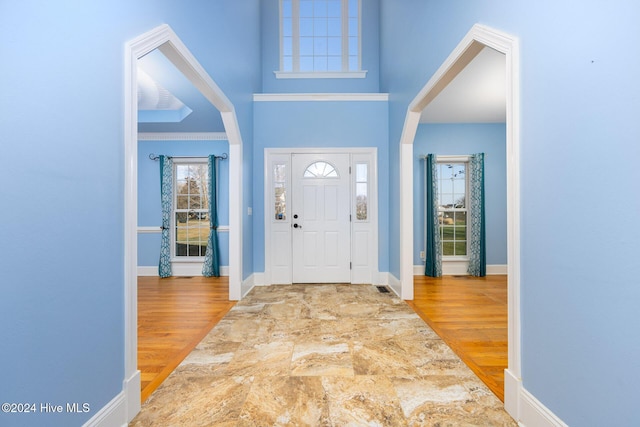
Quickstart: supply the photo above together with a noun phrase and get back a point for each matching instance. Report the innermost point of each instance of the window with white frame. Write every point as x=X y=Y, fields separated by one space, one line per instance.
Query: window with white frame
x=190 y=209
x=319 y=36
x=452 y=207
x=362 y=191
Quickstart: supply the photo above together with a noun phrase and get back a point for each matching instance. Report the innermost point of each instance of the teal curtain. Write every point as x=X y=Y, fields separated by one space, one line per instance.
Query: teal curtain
x=477 y=243
x=433 y=250
x=211 y=265
x=166 y=190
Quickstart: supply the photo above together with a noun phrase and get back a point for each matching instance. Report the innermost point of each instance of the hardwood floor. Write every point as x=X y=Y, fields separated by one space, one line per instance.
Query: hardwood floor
x=174 y=315
x=470 y=315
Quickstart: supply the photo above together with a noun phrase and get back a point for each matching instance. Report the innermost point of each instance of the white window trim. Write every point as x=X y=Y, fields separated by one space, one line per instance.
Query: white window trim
x=445 y=159
x=176 y=258
x=296 y=73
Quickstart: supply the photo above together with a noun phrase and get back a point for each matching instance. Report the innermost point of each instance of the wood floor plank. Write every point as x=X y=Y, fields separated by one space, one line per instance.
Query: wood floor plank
x=174 y=315
x=470 y=315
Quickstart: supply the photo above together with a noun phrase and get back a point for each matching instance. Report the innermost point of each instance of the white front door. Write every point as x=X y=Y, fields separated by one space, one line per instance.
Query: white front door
x=320 y=218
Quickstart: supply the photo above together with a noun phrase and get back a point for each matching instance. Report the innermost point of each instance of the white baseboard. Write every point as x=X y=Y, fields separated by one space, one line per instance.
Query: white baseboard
x=112 y=414
x=132 y=387
x=394 y=283
x=182 y=269
x=524 y=407
x=248 y=284
x=122 y=408
x=459 y=268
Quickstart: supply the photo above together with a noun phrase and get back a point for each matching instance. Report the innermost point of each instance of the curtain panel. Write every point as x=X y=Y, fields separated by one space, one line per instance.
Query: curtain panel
x=166 y=191
x=211 y=265
x=433 y=250
x=477 y=242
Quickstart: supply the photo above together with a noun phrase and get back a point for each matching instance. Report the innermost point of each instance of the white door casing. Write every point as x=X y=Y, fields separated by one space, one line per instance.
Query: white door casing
x=358 y=247
x=320 y=216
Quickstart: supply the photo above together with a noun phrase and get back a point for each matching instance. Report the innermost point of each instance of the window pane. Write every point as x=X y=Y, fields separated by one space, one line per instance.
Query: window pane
x=320 y=170
x=279 y=178
x=334 y=46
x=320 y=63
x=279 y=173
x=361 y=201
x=353 y=27
x=286 y=8
x=354 y=64
x=287 y=46
x=334 y=8
x=461 y=233
x=447 y=231
x=460 y=248
x=182 y=202
x=353 y=8
x=361 y=172
x=334 y=63
x=461 y=218
x=320 y=27
x=334 y=27
x=320 y=47
x=306 y=27
x=320 y=8
x=287 y=29
x=306 y=8
x=447 y=249
x=306 y=63
x=306 y=46
x=280 y=202
x=445 y=172
x=287 y=63
x=353 y=46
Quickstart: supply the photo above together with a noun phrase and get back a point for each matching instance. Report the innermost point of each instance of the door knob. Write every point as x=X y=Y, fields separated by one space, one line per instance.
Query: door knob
x=297 y=226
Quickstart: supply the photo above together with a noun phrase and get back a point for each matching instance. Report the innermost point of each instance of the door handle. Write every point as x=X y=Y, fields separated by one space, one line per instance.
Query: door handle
x=297 y=226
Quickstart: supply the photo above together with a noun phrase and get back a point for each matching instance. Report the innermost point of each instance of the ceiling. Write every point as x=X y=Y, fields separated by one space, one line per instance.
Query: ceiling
x=476 y=95
x=170 y=103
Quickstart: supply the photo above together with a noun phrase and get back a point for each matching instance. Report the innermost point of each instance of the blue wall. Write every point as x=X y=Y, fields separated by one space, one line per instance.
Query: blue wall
x=149 y=209
x=271 y=55
x=320 y=124
x=62 y=121
x=463 y=139
x=579 y=101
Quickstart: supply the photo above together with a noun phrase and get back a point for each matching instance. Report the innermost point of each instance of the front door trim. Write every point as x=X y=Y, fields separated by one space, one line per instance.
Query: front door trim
x=278 y=264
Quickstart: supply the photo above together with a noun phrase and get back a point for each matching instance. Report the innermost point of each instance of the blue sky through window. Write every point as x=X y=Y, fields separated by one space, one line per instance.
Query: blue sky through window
x=317 y=37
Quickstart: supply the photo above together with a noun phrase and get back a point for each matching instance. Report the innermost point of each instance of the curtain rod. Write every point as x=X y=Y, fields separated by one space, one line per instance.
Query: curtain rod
x=223 y=156
x=447 y=156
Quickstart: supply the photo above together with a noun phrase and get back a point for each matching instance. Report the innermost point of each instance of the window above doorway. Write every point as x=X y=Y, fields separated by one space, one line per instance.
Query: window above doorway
x=320 y=39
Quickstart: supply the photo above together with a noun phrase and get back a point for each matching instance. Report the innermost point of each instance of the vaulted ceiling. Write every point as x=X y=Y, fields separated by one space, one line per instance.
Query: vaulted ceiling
x=168 y=102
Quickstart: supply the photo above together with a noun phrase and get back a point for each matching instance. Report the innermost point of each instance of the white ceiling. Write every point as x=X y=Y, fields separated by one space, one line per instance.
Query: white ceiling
x=476 y=95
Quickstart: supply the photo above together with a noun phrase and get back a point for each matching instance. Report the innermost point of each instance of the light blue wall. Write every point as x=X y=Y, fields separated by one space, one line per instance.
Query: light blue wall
x=320 y=124
x=463 y=139
x=271 y=55
x=61 y=232
x=149 y=209
x=579 y=138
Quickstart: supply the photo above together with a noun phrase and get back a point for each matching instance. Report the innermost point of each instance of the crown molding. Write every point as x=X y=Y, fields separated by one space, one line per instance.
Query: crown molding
x=275 y=97
x=182 y=136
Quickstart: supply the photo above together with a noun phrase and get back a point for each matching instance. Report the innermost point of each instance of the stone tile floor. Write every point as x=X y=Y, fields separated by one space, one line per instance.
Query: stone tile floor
x=322 y=355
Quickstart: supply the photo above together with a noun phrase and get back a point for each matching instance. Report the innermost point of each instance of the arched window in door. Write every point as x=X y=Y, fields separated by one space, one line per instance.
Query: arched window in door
x=321 y=170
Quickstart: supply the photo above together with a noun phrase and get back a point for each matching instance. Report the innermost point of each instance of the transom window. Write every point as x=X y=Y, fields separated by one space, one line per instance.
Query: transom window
x=319 y=36
x=320 y=170
x=191 y=209
x=452 y=208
